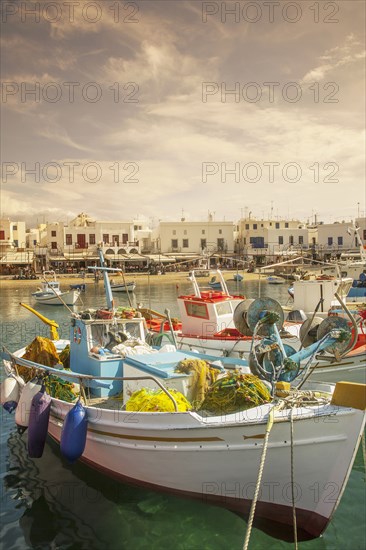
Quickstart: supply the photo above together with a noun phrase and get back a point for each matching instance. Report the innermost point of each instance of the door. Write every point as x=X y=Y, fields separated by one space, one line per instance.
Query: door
x=81 y=241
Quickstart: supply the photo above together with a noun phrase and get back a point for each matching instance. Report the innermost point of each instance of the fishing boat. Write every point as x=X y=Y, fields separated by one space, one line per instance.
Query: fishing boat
x=218 y=323
x=123 y=287
x=281 y=443
x=275 y=280
x=51 y=294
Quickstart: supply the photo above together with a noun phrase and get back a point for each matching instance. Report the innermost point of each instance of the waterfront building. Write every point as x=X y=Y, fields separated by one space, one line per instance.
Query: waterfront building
x=193 y=239
x=262 y=239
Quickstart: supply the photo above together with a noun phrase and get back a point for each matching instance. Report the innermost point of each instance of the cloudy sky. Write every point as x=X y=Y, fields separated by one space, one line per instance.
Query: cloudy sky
x=151 y=108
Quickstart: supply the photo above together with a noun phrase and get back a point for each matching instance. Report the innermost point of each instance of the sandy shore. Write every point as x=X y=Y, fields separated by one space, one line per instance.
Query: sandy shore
x=6 y=282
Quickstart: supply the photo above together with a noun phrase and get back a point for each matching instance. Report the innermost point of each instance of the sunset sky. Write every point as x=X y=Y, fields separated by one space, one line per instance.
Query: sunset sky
x=124 y=108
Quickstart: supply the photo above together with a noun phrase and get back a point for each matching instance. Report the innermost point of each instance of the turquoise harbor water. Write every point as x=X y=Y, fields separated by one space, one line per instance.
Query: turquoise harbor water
x=48 y=504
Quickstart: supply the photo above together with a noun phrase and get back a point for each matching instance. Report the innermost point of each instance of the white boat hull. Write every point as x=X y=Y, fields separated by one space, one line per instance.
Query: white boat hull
x=129 y=287
x=214 y=460
x=52 y=299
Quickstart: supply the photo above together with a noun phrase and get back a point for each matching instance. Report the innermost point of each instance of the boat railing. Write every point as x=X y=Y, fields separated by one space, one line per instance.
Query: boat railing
x=78 y=376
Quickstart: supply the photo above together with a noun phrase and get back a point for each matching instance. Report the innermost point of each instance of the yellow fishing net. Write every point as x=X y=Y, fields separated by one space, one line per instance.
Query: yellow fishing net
x=234 y=392
x=202 y=376
x=148 y=400
x=43 y=351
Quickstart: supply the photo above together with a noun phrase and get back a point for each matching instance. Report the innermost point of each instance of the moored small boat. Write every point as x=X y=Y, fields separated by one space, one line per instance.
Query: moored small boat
x=123 y=287
x=51 y=294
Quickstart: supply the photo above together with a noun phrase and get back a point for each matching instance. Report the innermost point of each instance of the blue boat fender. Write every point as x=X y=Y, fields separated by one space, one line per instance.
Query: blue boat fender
x=73 y=435
x=38 y=423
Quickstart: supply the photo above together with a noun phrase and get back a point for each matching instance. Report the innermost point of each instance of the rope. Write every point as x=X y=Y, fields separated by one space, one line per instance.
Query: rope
x=259 y=479
x=292 y=479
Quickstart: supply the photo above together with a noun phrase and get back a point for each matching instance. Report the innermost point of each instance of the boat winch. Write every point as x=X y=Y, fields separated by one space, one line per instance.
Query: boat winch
x=273 y=360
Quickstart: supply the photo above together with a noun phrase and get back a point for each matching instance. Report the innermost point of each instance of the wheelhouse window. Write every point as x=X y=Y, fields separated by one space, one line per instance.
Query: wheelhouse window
x=223 y=308
x=196 y=310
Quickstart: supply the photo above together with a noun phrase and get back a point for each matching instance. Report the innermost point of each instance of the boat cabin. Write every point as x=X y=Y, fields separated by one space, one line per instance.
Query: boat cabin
x=307 y=294
x=91 y=343
x=207 y=314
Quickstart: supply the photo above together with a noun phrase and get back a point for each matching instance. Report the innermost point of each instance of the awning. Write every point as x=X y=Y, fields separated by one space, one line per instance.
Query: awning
x=24 y=258
x=77 y=257
x=159 y=258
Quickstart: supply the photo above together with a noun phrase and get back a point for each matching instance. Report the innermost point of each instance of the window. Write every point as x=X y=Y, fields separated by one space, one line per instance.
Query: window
x=15 y=227
x=68 y=238
x=255 y=226
x=203 y=231
x=54 y=245
x=92 y=238
x=340 y=241
x=203 y=244
x=174 y=243
x=220 y=231
x=280 y=239
x=330 y=241
x=135 y=227
x=115 y=240
x=220 y=244
x=286 y=224
x=185 y=243
x=277 y=225
x=262 y=224
x=53 y=233
x=291 y=239
x=2 y=235
x=245 y=240
x=196 y=310
x=364 y=234
x=174 y=232
x=223 y=308
x=301 y=239
x=105 y=238
x=247 y=226
x=125 y=238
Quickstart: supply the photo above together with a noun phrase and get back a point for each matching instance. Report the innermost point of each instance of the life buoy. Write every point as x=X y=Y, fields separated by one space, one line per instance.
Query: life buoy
x=77 y=335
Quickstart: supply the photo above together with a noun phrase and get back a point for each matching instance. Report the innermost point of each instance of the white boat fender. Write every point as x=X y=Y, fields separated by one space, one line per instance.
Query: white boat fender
x=24 y=405
x=10 y=393
x=38 y=423
x=74 y=430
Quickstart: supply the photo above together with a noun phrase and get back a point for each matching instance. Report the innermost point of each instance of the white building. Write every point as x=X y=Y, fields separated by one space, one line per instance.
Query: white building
x=271 y=237
x=12 y=235
x=334 y=237
x=186 y=237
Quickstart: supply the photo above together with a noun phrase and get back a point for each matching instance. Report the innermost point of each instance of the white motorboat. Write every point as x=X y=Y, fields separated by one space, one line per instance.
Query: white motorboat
x=123 y=287
x=51 y=294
